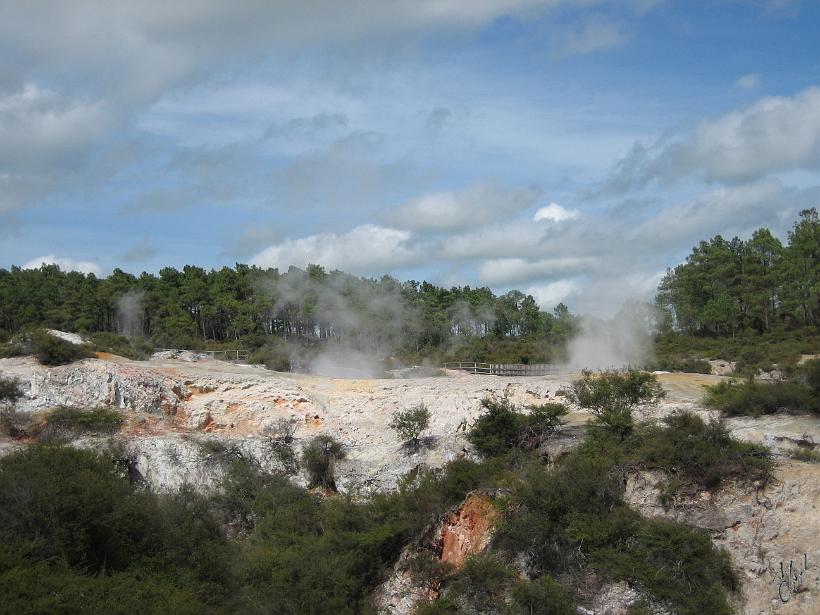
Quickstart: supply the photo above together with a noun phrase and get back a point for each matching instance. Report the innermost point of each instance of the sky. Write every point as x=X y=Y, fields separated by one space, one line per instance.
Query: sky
x=572 y=149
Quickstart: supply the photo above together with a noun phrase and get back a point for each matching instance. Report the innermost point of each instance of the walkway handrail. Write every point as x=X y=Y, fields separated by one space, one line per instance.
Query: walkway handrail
x=503 y=369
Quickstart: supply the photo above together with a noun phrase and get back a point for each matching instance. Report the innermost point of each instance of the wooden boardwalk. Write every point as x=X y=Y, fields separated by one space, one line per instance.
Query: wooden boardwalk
x=505 y=369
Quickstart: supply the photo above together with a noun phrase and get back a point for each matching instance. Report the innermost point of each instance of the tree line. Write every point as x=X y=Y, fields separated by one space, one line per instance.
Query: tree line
x=249 y=306
x=727 y=287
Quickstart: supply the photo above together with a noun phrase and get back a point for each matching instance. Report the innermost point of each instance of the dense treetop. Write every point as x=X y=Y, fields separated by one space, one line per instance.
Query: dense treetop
x=729 y=286
x=247 y=305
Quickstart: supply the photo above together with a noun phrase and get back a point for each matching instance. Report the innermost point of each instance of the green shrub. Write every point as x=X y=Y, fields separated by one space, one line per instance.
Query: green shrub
x=66 y=423
x=543 y=596
x=10 y=390
x=504 y=427
x=52 y=350
x=676 y=565
x=611 y=396
x=689 y=365
x=759 y=398
x=409 y=424
x=706 y=454
x=810 y=371
x=498 y=429
x=541 y=422
x=319 y=460
x=483 y=582
x=11 y=349
x=574 y=516
x=274 y=356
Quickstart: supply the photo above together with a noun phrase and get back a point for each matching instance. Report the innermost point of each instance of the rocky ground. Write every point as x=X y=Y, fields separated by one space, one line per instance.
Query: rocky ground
x=184 y=417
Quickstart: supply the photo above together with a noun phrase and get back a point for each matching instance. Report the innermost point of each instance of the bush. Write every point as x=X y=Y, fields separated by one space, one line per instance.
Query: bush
x=482 y=583
x=695 y=575
x=504 y=427
x=810 y=371
x=10 y=390
x=543 y=596
x=275 y=357
x=319 y=460
x=611 y=396
x=687 y=448
x=410 y=423
x=67 y=423
x=497 y=430
x=52 y=350
x=689 y=365
x=541 y=422
x=759 y=398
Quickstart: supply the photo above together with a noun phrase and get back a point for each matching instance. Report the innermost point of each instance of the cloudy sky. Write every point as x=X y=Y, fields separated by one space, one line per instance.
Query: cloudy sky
x=570 y=148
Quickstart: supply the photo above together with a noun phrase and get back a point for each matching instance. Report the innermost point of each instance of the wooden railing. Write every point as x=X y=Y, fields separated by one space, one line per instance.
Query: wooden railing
x=504 y=369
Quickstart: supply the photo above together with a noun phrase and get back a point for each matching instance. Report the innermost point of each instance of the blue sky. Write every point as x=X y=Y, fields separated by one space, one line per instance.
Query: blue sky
x=572 y=149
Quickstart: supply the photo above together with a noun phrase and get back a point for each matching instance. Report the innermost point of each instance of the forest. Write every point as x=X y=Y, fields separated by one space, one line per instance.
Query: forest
x=725 y=291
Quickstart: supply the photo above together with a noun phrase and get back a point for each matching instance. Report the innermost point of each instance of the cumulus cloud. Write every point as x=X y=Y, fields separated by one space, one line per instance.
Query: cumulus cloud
x=476 y=206
x=36 y=123
x=65 y=263
x=549 y=295
x=555 y=213
x=365 y=249
x=774 y=134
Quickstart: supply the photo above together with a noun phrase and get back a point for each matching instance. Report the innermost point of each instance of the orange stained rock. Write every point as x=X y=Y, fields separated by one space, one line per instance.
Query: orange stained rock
x=468 y=530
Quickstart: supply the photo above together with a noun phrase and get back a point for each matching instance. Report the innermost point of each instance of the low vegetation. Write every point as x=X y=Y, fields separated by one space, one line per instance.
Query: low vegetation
x=504 y=427
x=798 y=395
x=76 y=536
x=409 y=424
x=136 y=348
x=703 y=454
x=68 y=423
x=612 y=396
x=319 y=459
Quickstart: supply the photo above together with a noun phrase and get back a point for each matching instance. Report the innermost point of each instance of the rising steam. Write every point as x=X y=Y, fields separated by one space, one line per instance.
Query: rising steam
x=130 y=313
x=622 y=341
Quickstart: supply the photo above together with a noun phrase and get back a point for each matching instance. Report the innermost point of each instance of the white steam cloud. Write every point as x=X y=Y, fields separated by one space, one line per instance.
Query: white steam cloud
x=130 y=313
x=624 y=340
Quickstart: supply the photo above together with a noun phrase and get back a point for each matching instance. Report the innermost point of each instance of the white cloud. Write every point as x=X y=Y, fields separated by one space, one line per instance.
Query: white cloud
x=513 y=271
x=365 y=249
x=549 y=295
x=748 y=82
x=457 y=210
x=555 y=213
x=774 y=134
x=66 y=264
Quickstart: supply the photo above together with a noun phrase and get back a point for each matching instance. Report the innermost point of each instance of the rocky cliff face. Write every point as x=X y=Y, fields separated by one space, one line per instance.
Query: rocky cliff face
x=184 y=419
x=761 y=529
x=173 y=405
